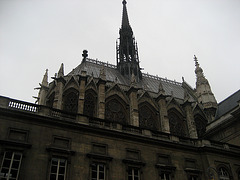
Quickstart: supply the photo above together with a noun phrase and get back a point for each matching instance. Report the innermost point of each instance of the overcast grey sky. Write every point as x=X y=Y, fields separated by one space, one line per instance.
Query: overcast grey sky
x=41 y=34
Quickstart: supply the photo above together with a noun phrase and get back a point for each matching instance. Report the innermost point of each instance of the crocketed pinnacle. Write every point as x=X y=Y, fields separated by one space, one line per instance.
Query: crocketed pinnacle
x=61 y=71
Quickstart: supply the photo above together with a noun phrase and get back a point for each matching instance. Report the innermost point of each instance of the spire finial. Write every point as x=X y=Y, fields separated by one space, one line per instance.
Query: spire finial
x=85 y=54
x=125 y=21
x=196 y=60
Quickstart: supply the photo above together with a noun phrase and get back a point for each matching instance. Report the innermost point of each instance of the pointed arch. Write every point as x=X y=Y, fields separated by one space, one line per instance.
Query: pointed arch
x=201 y=124
x=148 y=116
x=70 y=100
x=71 y=83
x=146 y=97
x=224 y=172
x=116 y=90
x=174 y=104
x=116 y=110
x=176 y=122
x=90 y=102
x=91 y=85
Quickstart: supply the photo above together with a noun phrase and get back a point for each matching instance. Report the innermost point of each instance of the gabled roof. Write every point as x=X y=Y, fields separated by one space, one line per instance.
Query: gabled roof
x=149 y=83
x=228 y=104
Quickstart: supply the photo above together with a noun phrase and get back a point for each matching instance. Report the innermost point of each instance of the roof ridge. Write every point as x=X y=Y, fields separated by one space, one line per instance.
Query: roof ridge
x=95 y=61
x=238 y=91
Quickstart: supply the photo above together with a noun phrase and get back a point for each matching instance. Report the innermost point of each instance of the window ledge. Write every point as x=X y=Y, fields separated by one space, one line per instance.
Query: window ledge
x=16 y=143
x=134 y=162
x=60 y=150
x=99 y=156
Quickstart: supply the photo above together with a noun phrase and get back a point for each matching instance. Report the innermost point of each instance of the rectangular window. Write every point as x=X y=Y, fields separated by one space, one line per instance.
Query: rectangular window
x=193 y=178
x=165 y=176
x=10 y=165
x=133 y=174
x=98 y=171
x=58 y=169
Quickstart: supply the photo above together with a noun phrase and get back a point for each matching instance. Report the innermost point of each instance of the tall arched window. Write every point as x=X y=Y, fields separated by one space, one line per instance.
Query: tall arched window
x=115 y=110
x=177 y=123
x=70 y=100
x=90 y=103
x=223 y=174
x=147 y=116
x=201 y=124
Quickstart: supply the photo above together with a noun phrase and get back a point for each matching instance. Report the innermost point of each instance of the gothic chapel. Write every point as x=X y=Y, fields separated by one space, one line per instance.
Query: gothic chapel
x=105 y=122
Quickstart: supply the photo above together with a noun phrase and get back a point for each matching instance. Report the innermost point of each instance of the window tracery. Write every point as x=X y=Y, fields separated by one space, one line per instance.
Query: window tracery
x=176 y=123
x=147 y=117
x=70 y=101
x=115 y=111
x=200 y=125
x=90 y=104
x=223 y=174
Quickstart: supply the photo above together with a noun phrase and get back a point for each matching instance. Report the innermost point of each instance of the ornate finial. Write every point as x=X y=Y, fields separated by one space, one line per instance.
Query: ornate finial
x=196 y=60
x=183 y=80
x=124 y=2
x=85 y=54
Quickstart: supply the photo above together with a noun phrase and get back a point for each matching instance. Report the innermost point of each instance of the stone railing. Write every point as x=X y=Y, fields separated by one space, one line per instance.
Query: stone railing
x=18 y=105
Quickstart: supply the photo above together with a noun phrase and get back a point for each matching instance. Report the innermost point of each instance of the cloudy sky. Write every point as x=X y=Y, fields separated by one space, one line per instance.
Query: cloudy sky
x=41 y=34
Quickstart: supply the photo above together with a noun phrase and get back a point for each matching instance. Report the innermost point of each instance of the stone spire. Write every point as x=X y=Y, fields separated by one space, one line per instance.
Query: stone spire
x=127 y=50
x=43 y=89
x=204 y=92
x=125 y=21
x=61 y=71
x=45 y=79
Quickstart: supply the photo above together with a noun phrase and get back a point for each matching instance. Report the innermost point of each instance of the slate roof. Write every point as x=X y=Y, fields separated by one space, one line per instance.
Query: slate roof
x=228 y=104
x=149 y=83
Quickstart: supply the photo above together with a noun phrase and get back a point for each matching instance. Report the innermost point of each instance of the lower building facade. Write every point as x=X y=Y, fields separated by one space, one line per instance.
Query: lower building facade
x=38 y=142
